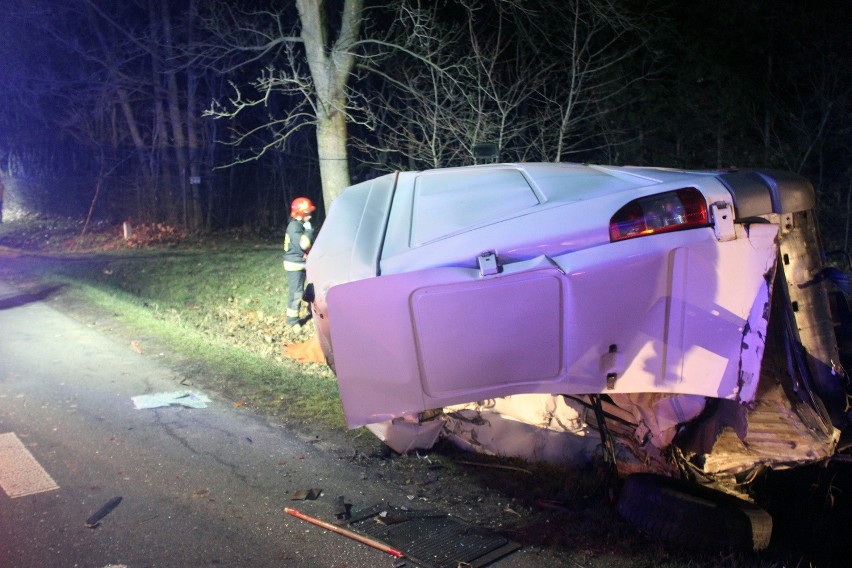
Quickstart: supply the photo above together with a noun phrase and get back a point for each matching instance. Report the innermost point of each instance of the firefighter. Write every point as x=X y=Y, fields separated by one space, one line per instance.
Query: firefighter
x=297 y=243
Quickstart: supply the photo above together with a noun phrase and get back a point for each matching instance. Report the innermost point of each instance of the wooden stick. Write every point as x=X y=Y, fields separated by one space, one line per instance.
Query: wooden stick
x=347 y=533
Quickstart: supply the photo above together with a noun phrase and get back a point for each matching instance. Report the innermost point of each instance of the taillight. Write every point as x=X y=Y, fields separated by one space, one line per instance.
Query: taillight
x=661 y=213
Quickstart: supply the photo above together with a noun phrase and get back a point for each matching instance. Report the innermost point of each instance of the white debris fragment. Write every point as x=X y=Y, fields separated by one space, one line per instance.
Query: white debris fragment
x=185 y=398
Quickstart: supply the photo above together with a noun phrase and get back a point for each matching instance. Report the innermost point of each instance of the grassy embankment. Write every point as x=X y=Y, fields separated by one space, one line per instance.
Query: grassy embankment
x=217 y=302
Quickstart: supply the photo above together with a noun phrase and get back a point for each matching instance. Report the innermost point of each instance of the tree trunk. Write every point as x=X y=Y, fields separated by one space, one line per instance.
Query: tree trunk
x=330 y=65
x=194 y=147
x=195 y=216
x=331 y=146
x=161 y=204
x=139 y=143
x=175 y=115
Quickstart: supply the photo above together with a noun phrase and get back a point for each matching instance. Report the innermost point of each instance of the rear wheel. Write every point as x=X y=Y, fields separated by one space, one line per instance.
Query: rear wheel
x=692 y=515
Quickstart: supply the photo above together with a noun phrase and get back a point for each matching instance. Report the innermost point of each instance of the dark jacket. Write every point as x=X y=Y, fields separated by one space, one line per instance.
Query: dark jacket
x=297 y=243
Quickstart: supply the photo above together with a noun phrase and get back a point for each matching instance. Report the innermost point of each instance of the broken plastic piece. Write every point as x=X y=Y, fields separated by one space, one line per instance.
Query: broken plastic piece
x=95 y=519
x=342 y=509
x=307 y=494
x=185 y=398
x=403 y=436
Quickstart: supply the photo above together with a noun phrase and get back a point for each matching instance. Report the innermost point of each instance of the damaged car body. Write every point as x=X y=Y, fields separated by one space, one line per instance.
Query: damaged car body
x=681 y=317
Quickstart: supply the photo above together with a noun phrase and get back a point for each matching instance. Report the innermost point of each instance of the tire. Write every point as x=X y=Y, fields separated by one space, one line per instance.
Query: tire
x=692 y=515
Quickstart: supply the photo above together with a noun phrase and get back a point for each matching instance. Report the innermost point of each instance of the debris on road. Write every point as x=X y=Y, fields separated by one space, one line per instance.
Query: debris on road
x=201 y=493
x=136 y=347
x=307 y=494
x=95 y=519
x=185 y=398
x=342 y=509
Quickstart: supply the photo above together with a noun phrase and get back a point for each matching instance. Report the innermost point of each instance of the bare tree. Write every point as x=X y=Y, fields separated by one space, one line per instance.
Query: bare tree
x=599 y=43
x=430 y=85
x=534 y=78
x=415 y=96
x=127 y=93
x=317 y=96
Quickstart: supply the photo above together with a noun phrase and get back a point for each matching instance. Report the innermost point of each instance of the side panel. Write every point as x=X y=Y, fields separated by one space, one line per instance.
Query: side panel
x=685 y=312
x=419 y=340
x=457 y=327
x=348 y=246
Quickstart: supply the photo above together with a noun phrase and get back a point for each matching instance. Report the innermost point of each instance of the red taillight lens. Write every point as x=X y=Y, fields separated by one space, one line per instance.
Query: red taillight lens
x=660 y=213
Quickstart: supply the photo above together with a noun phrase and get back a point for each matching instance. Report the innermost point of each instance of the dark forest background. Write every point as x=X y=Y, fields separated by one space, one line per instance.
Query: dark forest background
x=203 y=114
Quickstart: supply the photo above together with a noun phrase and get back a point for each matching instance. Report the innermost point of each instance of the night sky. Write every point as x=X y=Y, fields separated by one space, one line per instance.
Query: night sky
x=117 y=93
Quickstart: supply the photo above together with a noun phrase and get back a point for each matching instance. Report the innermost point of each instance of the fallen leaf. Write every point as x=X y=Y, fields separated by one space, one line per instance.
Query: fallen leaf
x=200 y=493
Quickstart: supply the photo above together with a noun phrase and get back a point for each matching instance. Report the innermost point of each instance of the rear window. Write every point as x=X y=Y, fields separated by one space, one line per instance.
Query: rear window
x=448 y=202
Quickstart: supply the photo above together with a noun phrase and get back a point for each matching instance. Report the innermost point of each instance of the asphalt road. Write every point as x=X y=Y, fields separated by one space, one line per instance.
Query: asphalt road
x=198 y=486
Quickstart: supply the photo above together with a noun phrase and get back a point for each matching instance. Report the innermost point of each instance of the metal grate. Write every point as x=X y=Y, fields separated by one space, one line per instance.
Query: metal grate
x=433 y=539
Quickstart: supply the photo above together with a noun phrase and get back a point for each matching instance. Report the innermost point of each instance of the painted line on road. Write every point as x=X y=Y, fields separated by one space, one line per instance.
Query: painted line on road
x=20 y=473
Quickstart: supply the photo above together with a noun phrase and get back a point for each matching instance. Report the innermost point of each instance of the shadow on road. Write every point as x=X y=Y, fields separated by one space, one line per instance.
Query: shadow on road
x=37 y=295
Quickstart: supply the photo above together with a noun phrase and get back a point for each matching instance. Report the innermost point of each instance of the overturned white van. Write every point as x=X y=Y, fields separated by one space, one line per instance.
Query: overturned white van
x=682 y=318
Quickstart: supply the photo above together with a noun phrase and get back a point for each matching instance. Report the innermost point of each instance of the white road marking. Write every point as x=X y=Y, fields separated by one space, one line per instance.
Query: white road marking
x=20 y=473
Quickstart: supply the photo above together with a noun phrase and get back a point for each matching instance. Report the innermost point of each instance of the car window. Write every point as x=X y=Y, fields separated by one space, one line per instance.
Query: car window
x=447 y=202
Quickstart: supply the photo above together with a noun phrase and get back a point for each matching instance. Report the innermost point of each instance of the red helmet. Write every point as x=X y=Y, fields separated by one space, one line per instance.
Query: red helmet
x=301 y=206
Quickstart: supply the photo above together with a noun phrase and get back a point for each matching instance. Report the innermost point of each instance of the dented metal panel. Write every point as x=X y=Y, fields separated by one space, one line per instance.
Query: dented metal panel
x=678 y=316
x=714 y=344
